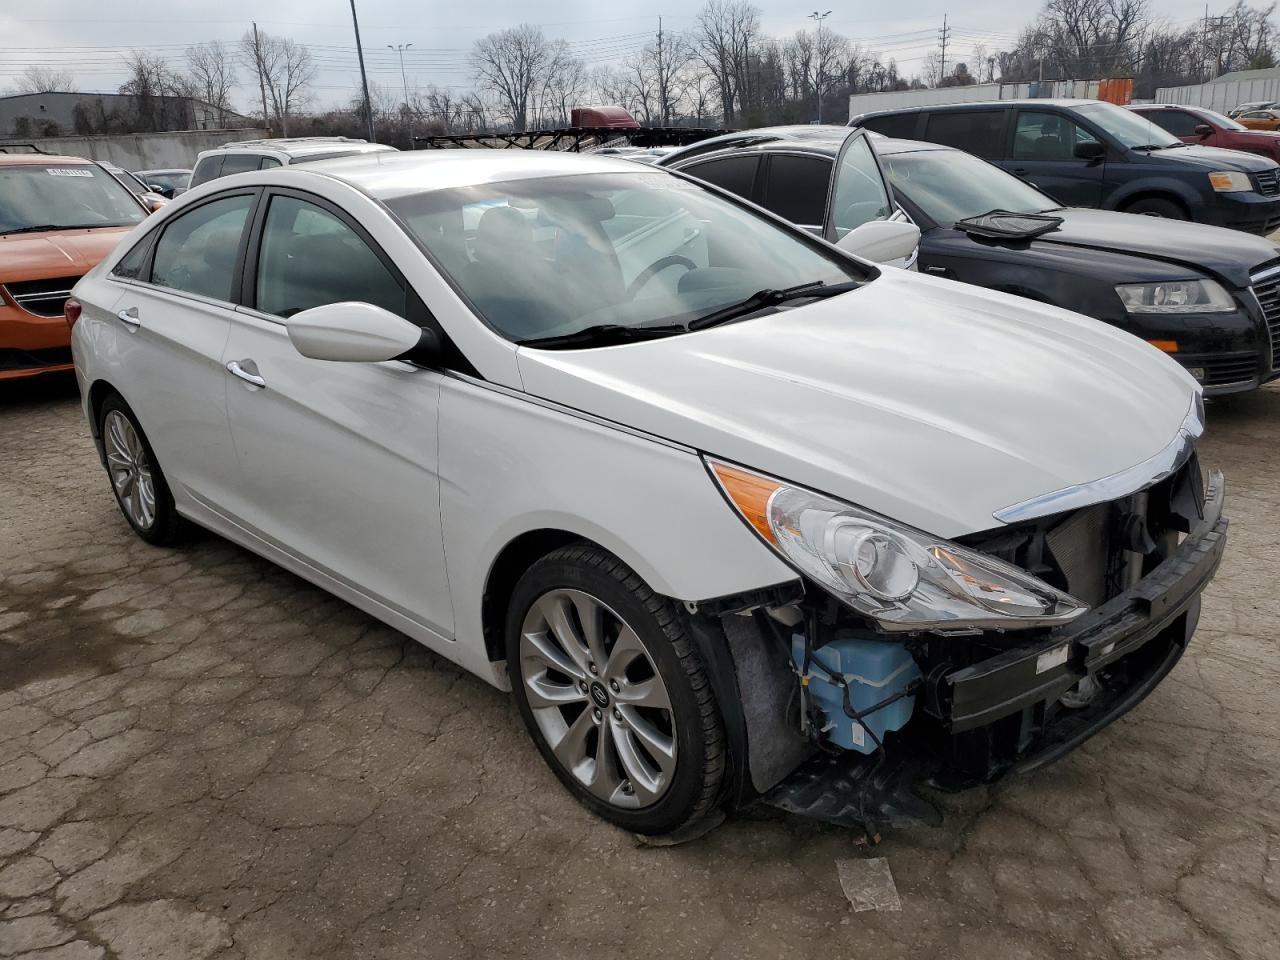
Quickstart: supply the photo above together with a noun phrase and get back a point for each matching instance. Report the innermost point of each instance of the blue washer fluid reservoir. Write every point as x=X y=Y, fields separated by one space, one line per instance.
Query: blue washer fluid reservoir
x=874 y=671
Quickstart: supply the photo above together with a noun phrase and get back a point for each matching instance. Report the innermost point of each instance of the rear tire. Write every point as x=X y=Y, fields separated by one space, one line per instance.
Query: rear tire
x=613 y=692
x=1157 y=207
x=139 y=485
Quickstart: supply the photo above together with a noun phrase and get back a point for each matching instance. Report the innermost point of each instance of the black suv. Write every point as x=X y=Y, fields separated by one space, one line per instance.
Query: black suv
x=1086 y=153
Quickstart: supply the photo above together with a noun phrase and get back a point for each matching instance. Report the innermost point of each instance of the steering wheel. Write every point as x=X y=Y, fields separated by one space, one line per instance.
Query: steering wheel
x=651 y=271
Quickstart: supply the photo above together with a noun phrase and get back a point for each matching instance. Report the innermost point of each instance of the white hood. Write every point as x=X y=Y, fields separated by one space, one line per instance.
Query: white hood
x=928 y=401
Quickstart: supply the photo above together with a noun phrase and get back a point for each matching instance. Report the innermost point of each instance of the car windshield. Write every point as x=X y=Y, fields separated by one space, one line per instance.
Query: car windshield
x=549 y=257
x=1224 y=122
x=1126 y=126
x=949 y=185
x=62 y=196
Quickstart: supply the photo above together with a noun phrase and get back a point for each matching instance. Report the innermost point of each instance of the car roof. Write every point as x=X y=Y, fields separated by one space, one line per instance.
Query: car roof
x=825 y=140
x=38 y=159
x=392 y=173
x=983 y=104
x=165 y=170
x=297 y=147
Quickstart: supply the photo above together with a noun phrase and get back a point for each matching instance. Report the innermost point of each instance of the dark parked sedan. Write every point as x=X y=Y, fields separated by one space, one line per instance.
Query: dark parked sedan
x=1207 y=296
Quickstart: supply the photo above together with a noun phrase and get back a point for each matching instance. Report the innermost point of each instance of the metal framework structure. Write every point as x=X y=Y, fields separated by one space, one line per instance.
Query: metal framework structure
x=571 y=139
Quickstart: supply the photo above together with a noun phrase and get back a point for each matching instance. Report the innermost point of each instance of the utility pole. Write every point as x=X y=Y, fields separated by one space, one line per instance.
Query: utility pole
x=262 y=84
x=400 y=48
x=944 y=35
x=662 y=77
x=817 y=80
x=364 y=79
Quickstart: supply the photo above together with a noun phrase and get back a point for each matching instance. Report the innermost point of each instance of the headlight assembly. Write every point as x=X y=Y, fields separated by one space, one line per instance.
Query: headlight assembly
x=1230 y=181
x=1176 y=296
x=902 y=578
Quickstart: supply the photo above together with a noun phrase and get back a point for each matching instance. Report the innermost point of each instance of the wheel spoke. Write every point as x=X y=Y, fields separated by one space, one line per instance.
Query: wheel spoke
x=541 y=648
x=591 y=616
x=659 y=745
x=626 y=649
x=605 y=782
x=646 y=693
x=555 y=609
x=135 y=503
x=146 y=499
x=542 y=692
x=646 y=786
x=571 y=748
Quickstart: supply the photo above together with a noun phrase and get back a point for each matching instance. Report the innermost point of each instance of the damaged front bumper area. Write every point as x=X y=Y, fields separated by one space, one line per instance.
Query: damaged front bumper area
x=1015 y=711
x=984 y=704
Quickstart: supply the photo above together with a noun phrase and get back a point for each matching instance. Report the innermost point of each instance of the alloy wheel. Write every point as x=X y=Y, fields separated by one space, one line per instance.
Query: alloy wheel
x=130 y=470
x=598 y=699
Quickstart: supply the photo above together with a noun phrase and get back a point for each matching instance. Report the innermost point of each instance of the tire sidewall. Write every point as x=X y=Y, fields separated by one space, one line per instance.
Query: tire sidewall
x=679 y=803
x=161 y=530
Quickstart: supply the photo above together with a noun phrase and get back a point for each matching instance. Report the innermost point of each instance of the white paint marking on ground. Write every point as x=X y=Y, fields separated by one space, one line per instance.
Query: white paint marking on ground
x=868 y=884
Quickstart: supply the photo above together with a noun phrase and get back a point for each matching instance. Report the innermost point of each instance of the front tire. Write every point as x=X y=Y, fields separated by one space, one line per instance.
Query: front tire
x=139 y=485
x=613 y=692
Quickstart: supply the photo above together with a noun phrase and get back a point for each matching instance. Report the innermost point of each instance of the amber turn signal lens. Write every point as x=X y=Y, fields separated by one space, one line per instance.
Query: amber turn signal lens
x=750 y=493
x=71 y=311
x=1168 y=346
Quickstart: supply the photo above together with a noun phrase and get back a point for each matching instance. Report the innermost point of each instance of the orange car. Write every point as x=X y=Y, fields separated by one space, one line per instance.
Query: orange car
x=58 y=217
x=1260 y=119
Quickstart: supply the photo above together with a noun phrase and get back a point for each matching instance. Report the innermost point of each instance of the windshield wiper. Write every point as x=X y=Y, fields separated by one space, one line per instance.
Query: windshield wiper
x=41 y=227
x=761 y=299
x=603 y=335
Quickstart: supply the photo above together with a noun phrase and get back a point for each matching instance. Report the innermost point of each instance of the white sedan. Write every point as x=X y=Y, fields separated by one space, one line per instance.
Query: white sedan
x=709 y=494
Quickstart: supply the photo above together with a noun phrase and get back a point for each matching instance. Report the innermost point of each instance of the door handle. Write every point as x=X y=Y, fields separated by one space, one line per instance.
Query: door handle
x=129 y=317
x=1020 y=171
x=235 y=369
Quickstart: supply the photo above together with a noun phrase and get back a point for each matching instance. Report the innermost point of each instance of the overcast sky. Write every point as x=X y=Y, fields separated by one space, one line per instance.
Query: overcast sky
x=82 y=37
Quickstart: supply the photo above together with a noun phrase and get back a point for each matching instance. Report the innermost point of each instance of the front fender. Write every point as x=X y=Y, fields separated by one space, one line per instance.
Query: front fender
x=1171 y=187
x=511 y=465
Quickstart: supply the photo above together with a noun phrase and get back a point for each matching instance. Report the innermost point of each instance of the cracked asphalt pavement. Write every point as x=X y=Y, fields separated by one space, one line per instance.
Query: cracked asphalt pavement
x=202 y=756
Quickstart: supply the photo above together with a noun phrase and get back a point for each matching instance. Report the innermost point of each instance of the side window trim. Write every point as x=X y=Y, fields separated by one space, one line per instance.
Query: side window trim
x=237 y=271
x=249 y=267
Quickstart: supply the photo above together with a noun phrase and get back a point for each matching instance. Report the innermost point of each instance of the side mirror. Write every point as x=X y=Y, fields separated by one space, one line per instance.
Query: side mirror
x=160 y=189
x=1089 y=150
x=882 y=241
x=153 y=202
x=1203 y=130
x=360 y=333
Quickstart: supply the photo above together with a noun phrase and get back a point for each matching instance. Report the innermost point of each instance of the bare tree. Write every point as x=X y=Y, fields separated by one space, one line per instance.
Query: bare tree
x=724 y=35
x=160 y=97
x=213 y=74
x=286 y=70
x=517 y=67
x=44 y=80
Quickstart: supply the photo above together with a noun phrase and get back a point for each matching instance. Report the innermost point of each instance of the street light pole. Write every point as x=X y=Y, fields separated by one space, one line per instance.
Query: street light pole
x=400 y=48
x=817 y=82
x=364 y=79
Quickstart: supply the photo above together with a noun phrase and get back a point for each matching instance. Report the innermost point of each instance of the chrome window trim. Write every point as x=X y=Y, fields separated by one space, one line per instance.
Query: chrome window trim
x=1138 y=477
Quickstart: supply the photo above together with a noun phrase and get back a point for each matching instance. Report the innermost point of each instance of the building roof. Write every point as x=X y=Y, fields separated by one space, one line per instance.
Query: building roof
x=1270 y=73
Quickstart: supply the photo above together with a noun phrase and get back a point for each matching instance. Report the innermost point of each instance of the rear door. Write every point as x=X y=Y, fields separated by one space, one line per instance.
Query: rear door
x=1043 y=152
x=174 y=317
x=1181 y=123
x=338 y=461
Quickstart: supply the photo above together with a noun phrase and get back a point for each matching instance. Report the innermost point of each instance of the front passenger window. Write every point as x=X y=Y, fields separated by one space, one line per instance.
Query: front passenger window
x=309 y=257
x=1047 y=136
x=197 y=252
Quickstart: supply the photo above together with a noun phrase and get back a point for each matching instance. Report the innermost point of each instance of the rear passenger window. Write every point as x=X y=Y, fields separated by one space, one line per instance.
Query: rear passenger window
x=1047 y=136
x=796 y=188
x=268 y=162
x=901 y=125
x=980 y=132
x=206 y=169
x=197 y=252
x=735 y=174
x=239 y=163
x=132 y=263
x=309 y=257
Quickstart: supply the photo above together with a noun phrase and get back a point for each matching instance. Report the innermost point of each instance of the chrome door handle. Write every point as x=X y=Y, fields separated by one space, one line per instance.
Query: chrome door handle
x=236 y=370
x=129 y=317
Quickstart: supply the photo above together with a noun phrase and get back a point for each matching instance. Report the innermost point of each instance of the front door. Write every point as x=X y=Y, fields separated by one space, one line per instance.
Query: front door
x=1043 y=152
x=338 y=461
